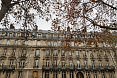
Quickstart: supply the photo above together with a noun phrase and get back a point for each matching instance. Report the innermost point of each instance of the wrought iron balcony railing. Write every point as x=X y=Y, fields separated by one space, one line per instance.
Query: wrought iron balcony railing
x=7 y=67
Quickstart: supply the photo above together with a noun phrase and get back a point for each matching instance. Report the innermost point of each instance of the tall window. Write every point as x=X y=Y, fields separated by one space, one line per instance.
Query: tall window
x=38 y=43
x=82 y=44
x=93 y=63
x=13 y=53
x=111 y=75
x=48 y=36
x=103 y=75
x=24 y=53
x=5 y=51
x=1 y=62
x=88 y=74
x=10 y=34
x=85 y=63
x=63 y=63
x=22 y=63
x=77 y=53
x=55 y=43
x=16 y=42
x=63 y=74
x=44 y=35
x=71 y=63
x=78 y=63
x=55 y=62
x=55 y=52
x=100 y=63
x=95 y=75
x=71 y=74
x=19 y=74
x=47 y=63
x=107 y=62
x=91 y=54
x=26 y=43
x=70 y=53
x=11 y=63
x=18 y=35
x=114 y=53
x=48 y=43
x=7 y=42
x=55 y=75
x=37 y=52
x=84 y=54
x=46 y=74
x=62 y=53
x=36 y=63
x=35 y=74
x=0 y=41
x=39 y=35
x=8 y=74
x=48 y=53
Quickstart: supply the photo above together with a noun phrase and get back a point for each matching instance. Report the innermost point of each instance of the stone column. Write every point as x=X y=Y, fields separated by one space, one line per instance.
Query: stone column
x=74 y=74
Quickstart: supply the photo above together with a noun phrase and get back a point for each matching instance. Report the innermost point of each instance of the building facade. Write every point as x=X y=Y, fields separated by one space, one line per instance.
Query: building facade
x=41 y=54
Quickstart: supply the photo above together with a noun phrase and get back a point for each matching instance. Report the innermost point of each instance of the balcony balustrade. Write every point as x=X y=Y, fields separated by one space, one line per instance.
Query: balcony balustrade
x=7 y=67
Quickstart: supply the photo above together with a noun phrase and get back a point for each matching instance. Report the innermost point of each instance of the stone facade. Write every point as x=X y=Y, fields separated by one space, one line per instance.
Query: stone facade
x=41 y=55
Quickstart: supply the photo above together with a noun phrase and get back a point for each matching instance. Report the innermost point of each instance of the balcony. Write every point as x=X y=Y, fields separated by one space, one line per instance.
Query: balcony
x=36 y=66
x=21 y=66
x=7 y=67
x=67 y=67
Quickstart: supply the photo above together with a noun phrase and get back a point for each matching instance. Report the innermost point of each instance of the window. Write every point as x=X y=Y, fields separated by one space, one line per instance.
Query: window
x=1 y=62
x=88 y=74
x=62 y=53
x=35 y=74
x=55 y=63
x=44 y=35
x=61 y=36
x=7 y=42
x=78 y=63
x=107 y=62
x=91 y=54
x=93 y=63
x=48 y=43
x=0 y=41
x=19 y=74
x=48 y=36
x=55 y=36
x=3 y=34
x=36 y=63
x=95 y=75
x=22 y=63
x=39 y=35
x=24 y=53
x=77 y=53
x=26 y=43
x=47 y=63
x=54 y=74
x=71 y=74
x=46 y=74
x=4 y=53
x=48 y=53
x=82 y=44
x=84 y=54
x=55 y=52
x=114 y=53
x=70 y=54
x=63 y=63
x=37 y=53
x=103 y=75
x=85 y=63
x=11 y=63
x=13 y=53
x=8 y=74
x=18 y=35
x=70 y=63
x=38 y=43
x=16 y=42
x=10 y=35
x=100 y=63
x=111 y=75
x=55 y=43
x=63 y=74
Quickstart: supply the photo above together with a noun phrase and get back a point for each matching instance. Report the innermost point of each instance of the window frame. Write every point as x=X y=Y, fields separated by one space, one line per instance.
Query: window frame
x=37 y=52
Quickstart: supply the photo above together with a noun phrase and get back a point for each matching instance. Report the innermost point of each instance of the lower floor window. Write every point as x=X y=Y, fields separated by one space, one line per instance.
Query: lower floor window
x=7 y=74
x=103 y=75
x=63 y=74
x=35 y=74
x=95 y=75
x=88 y=74
x=19 y=74
x=55 y=75
x=71 y=74
x=47 y=74
x=111 y=75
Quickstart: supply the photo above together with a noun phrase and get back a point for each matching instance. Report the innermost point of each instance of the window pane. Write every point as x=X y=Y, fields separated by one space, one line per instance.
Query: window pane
x=37 y=52
x=38 y=43
x=47 y=52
